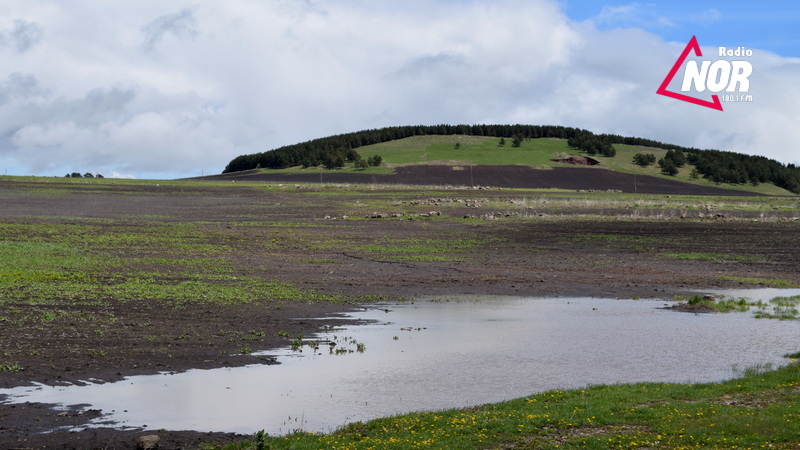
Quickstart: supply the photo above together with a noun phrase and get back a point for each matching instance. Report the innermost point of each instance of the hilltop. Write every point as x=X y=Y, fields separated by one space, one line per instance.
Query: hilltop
x=519 y=155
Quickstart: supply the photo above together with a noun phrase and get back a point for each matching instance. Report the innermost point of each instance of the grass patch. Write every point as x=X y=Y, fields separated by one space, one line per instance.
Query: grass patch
x=10 y=367
x=713 y=257
x=474 y=150
x=758 y=410
x=61 y=267
x=709 y=303
x=783 y=308
x=759 y=281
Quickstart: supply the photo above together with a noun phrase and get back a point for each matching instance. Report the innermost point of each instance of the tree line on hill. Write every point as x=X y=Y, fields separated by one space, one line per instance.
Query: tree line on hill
x=333 y=151
x=726 y=167
x=86 y=175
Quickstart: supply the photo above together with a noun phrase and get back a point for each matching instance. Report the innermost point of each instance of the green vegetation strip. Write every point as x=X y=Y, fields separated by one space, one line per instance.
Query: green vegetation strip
x=761 y=409
x=80 y=264
x=715 y=257
x=760 y=281
x=783 y=308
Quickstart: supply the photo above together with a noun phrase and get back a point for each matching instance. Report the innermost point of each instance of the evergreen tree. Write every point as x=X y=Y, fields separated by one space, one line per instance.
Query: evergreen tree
x=644 y=159
x=333 y=160
x=667 y=167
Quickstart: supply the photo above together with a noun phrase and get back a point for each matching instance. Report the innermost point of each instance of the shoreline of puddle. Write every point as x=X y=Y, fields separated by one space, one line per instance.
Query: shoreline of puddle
x=438 y=353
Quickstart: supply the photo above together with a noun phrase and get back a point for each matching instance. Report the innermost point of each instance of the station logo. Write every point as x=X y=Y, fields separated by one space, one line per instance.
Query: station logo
x=728 y=78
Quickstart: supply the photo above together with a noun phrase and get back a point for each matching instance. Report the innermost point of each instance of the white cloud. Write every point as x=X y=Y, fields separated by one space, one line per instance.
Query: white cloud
x=176 y=88
x=706 y=17
x=120 y=175
x=181 y=25
x=632 y=15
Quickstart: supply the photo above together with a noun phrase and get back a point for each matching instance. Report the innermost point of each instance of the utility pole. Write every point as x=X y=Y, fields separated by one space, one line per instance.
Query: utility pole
x=471 y=180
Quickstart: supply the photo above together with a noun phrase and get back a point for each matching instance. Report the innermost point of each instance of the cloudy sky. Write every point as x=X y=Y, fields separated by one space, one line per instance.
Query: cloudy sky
x=166 y=89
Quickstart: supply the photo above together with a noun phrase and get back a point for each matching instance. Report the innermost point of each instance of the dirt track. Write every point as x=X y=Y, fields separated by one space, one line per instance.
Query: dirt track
x=284 y=234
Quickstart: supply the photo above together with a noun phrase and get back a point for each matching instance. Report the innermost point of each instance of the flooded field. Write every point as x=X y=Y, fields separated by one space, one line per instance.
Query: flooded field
x=443 y=352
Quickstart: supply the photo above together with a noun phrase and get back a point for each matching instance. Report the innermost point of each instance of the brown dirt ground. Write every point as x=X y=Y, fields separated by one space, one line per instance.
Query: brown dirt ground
x=523 y=177
x=555 y=255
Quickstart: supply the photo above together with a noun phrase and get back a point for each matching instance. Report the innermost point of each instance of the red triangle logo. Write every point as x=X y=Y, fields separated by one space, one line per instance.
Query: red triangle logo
x=692 y=45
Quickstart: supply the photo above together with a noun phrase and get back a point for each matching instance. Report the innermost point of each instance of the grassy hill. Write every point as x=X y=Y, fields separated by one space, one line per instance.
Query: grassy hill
x=537 y=153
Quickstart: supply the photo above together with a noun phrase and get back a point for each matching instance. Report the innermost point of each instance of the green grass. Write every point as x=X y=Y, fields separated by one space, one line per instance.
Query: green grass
x=760 y=281
x=472 y=150
x=52 y=270
x=723 y=305
x=761 y=409
x=714 y=257
x=783 y=308
x=10 y=367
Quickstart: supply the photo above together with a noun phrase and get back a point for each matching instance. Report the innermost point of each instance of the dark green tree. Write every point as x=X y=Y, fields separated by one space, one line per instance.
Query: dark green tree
x=351 y=155
x=644 y=159
x=677 y=157
x=667 y=167
x=333 y=160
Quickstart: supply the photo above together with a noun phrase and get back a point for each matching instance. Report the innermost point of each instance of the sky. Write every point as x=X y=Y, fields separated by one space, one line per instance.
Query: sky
x=170 y=89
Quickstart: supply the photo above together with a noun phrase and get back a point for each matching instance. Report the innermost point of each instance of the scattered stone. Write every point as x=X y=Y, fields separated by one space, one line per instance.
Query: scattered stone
x=400 y=215
x=149 y=442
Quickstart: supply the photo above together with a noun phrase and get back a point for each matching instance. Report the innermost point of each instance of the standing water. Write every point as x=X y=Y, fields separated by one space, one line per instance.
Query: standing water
x=437 y=354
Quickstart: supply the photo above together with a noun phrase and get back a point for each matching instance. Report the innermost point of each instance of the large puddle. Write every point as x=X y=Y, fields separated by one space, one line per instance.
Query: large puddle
x=452 y=352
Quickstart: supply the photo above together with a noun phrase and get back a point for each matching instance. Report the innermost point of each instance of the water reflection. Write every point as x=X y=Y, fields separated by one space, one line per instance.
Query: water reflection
x=455 y=352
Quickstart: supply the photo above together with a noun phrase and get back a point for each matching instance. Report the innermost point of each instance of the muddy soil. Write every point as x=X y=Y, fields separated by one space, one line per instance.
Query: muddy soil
x=565 y=252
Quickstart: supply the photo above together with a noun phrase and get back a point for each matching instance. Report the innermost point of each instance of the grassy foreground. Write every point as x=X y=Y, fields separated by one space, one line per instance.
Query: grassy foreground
x=759 y=410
